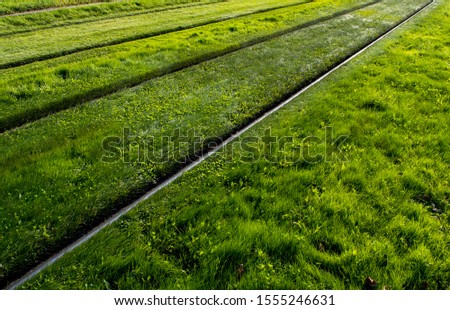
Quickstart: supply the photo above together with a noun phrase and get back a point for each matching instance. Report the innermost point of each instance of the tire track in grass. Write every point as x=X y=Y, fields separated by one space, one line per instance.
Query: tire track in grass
x=20 y=119
x=29 y=60
x=102 y=18
x=208 y=153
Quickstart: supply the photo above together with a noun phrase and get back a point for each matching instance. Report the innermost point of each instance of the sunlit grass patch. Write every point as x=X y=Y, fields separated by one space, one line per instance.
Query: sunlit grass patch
x=381 y=214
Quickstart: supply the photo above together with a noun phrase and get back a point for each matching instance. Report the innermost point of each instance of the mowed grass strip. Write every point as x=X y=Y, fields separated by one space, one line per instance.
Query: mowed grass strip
x=33 y=91
x=383 y=213
x=25 y=48
x=11 y=6
x=57 y=176
x=21 y=23
x=16 y=6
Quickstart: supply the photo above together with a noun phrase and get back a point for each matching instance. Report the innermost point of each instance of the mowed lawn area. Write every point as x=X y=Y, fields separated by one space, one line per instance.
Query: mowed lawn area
x=353 y=185
x=22 y=6
x=44 y=87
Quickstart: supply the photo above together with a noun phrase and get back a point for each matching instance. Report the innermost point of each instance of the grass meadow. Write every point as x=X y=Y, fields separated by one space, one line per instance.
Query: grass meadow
x=382 y=211
x=353 y=184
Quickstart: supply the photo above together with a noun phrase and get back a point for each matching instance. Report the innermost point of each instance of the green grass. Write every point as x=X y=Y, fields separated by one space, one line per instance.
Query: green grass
x=383 y=213
x=15 y=6
x=33 y=91
x=28 y=47
x=11 y=6
x=54 y=183
x=85 y=14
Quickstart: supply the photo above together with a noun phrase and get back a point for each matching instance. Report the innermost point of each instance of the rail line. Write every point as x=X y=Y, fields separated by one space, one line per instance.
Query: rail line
x=208 y=154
